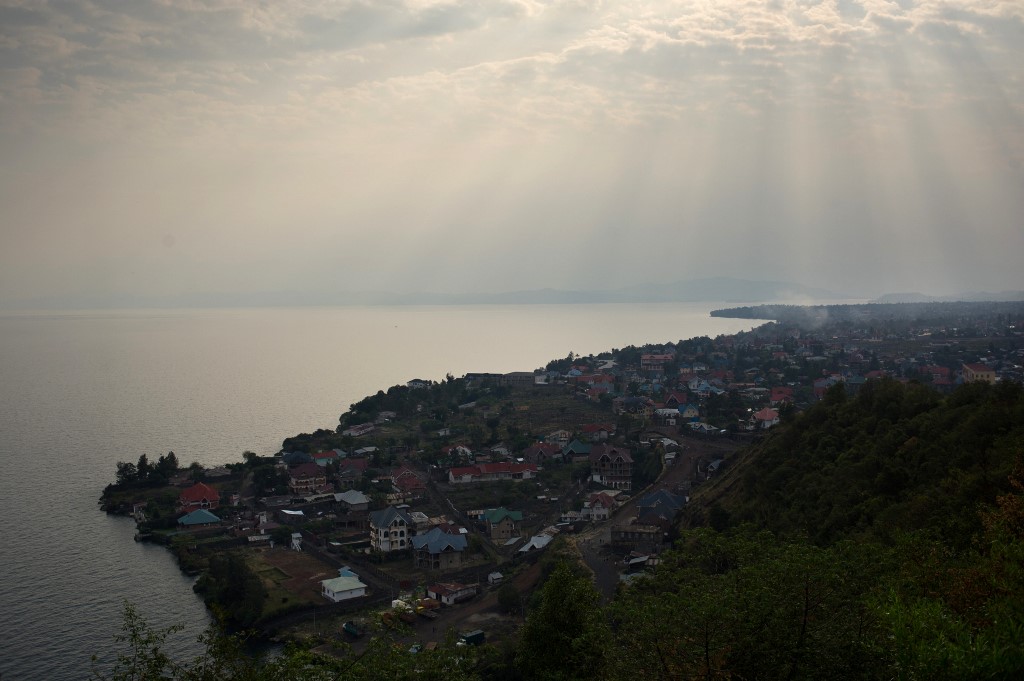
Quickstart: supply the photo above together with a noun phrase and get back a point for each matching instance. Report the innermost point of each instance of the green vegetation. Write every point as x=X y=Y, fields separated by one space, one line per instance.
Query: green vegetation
x=894 y=457
x=227 y=658
x=565 y=636
x=233 y=589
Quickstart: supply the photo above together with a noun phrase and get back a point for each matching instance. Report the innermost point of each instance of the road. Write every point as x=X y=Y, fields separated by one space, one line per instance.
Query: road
x=594 y=544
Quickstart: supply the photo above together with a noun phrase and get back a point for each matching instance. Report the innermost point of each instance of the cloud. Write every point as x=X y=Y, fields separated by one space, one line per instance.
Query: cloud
x=790 y=126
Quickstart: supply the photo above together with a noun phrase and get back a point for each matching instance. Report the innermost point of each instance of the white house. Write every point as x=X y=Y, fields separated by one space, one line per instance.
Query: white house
x=343 y=587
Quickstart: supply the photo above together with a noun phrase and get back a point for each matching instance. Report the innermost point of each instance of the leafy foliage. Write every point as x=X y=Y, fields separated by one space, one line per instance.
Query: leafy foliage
x=226 y=658
x=233 y=588
x=565 y=636
x=894 y=457
x=744 y=605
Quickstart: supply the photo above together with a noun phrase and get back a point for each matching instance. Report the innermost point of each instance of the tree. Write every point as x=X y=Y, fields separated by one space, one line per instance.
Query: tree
x=565 y=636
x=143 y=467
x=145 y=658
x=167 y=465
x=126 y=473
x=196 y=471
x=509 y=599
x=747 y=605
x=233 y=587
x=226 y=657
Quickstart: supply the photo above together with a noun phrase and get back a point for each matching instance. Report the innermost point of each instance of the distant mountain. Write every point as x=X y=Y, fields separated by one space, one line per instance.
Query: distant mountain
x=718 y=289
x=970 y=297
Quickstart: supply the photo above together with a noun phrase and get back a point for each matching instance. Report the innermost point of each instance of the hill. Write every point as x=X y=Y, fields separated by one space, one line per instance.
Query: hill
x=892 y=458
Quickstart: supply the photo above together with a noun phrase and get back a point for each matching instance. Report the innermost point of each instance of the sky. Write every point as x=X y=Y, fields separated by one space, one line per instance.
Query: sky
x=168 y=148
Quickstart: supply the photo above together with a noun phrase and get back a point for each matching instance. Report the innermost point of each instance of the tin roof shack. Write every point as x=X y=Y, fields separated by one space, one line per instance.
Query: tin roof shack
x=451 y=593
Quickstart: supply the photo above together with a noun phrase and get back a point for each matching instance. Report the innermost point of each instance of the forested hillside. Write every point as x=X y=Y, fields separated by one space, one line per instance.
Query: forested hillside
x=893 y=458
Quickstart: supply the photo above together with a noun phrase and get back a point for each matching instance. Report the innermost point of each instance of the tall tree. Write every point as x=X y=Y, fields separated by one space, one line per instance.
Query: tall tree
x=566 y=635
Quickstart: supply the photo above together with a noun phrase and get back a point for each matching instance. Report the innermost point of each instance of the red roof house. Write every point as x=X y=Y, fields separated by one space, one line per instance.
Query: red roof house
x=199 y=495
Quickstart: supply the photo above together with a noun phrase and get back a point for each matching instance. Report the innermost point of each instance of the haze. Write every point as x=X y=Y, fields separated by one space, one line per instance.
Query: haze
x=225 y=146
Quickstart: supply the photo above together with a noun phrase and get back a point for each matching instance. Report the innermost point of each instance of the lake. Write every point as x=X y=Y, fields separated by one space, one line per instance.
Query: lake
x=80 y=391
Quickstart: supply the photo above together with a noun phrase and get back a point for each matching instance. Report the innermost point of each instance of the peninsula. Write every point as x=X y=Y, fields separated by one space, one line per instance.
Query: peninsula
x=454 y=518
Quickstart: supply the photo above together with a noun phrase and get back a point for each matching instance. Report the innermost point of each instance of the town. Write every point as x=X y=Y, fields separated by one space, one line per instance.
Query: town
x=435 y=507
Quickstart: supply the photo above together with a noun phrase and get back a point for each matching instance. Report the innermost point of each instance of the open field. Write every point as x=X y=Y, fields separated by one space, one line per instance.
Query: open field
x=290 y=577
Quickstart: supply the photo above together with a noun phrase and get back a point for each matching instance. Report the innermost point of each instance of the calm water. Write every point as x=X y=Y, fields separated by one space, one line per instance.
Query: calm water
x=81 y=391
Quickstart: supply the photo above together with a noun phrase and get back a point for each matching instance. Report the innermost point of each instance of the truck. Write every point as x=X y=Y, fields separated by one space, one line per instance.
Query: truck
x=473 y=638
x=353 y=629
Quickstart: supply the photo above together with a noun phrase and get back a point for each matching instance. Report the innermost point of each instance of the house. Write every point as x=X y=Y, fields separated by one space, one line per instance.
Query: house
x=343 y=587
x=350 y=471
x=542 y=453
x=598 y=432
x=640 y=406
x=489 y=472
x=662 y=499
x=654 y=364
x=390 y=530
x=558 y=437
x=439 y=549
x=408 y=481
x=766 y=418
x=502 y=524
x=326 y=457
x=451 y=593
x=538 y=541
x=352 y=499
x=821 y=385
x=306 y=478
x=358 y=430
x=295 y=458
x=518 y=379
x=689 y=412
x=636 y=535
x=660 y=508
x=199 y=495
x=495 y=578
x=198 y=518
x=598 y=506
x=780 y=395
x=611 y=466
x=576 y=450
x=978 y=372
x=675 y=400
x=666 y=416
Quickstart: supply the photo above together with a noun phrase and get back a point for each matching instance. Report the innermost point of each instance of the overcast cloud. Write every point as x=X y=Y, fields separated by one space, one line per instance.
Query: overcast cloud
x=161 y=148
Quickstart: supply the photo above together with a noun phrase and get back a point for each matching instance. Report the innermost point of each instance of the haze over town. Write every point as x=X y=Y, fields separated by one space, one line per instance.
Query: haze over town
x=224 y=147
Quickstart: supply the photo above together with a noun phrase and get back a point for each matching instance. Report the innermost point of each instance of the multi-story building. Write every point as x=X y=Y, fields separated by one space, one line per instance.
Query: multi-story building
x=978 y=372
x=306 y=478
x=502 y=524
x=439 y=549
x=390 y=530
x=612 y=466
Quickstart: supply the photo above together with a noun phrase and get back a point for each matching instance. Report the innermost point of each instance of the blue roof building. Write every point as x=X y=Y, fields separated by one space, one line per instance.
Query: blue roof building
x=198 y=518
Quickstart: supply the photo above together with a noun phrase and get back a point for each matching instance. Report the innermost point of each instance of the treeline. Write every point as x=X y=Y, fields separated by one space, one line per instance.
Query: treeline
x=145 y=472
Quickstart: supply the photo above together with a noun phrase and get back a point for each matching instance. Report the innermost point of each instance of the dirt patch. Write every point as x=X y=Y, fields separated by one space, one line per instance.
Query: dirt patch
x=295 y=572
